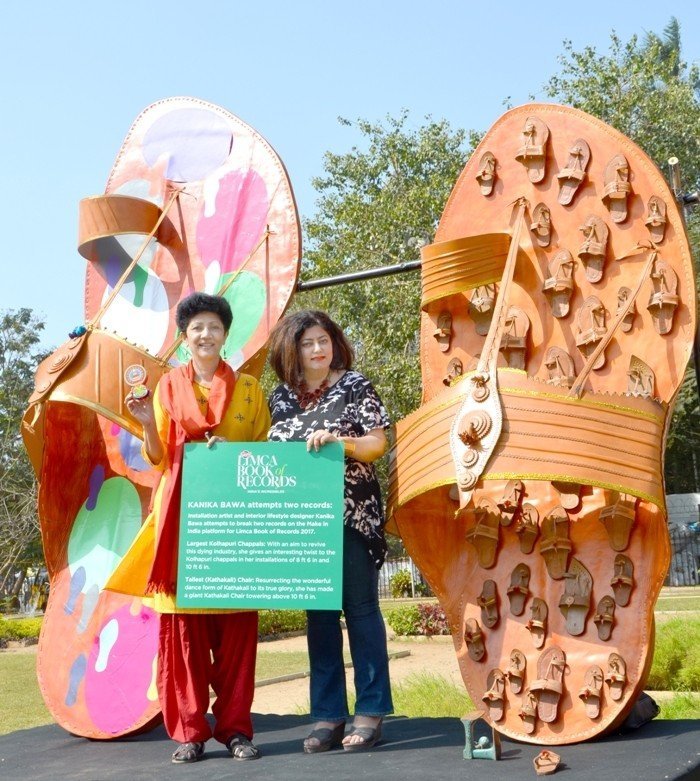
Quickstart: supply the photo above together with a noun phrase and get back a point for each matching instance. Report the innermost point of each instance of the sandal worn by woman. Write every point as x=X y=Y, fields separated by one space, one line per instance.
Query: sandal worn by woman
x=188 y=752
x=327 y=737
x=370 y=737
x=241 y=748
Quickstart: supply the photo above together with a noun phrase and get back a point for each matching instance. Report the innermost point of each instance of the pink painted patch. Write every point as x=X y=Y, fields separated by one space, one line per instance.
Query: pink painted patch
x=238 y=222
x=114 y=429
x=116 y=698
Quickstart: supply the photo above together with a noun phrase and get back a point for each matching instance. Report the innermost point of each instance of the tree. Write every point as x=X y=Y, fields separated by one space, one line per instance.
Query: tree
x=20 y=546
x=377 y=207
x=650 y=94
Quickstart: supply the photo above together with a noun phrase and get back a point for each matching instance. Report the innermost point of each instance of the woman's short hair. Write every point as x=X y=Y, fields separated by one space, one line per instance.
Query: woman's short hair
x=284 y=344
x=196 y=303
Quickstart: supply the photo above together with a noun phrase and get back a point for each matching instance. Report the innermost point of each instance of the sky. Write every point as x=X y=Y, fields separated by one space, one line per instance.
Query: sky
x=76 y=74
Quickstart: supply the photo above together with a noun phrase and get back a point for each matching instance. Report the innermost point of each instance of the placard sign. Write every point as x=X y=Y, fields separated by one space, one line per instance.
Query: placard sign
x=261 y=526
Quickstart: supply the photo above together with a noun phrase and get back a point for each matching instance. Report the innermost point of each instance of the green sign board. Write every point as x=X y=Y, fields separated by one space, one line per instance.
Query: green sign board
x=261 y=526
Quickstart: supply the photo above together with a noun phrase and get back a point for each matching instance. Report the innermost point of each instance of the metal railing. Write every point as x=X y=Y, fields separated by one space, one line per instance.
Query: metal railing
x=685 y=557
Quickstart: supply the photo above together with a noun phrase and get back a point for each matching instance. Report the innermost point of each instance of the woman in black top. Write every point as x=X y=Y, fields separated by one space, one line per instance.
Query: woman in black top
x=321 y=400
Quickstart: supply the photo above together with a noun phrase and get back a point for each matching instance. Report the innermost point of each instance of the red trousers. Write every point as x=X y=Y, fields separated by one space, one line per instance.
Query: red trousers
x=196 y=650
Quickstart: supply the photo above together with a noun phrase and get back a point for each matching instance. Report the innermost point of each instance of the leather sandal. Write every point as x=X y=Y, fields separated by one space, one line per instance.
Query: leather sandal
x=623 y=580
x=488 y=602
x=481 y=306
x=514 y=338
x=590 y=693
x=474 y=639
x=495 y=695
x=604 y=617
x=541 y=225
x=618 y=518
x=518 y=591
x=594 y=247
x=242 y=748
x=617 y=187
x=484 y=534
x=327 y=737
x=546 y=762
x=590 y=325
x=569 y=493
x=575 y=602
x=559 y=285
x=537 y=625
x=656 y=219
x=511 y=501
x=533 y=152
x=188 y=752
x=555 y=545
x=370 y=737
x=571 y=177
x=623 y=295
x=516 y=671
x=640 y=379
x=664 y=299
x=527 y=527
x=549 y=685
x=616 y=676
x=487 y=173
x=528 y=712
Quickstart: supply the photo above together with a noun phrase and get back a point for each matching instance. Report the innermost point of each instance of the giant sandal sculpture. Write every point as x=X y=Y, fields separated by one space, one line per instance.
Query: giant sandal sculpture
x=197 y=200
x=567 y=388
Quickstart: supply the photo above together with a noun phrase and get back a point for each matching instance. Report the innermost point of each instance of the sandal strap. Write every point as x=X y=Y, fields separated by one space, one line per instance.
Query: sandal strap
x=241 y=747
x=188 y=752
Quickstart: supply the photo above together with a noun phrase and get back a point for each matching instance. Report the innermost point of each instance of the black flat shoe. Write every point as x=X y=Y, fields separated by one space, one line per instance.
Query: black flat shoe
x=327 y=738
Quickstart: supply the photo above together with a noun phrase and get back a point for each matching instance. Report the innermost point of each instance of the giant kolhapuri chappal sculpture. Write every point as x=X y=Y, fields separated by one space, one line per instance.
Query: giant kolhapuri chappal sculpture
x=558 y=316
x=196 y=200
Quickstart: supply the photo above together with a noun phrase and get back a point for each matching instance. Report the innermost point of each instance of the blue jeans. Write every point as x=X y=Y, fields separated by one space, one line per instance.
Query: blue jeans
x=367 y=643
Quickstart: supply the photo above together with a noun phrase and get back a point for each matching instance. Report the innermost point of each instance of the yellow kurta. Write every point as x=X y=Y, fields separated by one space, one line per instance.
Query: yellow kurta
x=247 y=419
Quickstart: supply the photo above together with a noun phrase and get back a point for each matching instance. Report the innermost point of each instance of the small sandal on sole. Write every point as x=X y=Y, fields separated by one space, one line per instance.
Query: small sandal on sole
x=370 y=737
x=187 y=752
x=327 y=737
x=241 y=748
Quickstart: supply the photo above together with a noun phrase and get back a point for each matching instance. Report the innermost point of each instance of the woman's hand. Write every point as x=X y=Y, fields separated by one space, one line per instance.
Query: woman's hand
x=141 y=409
x=212 y=439
x=367 y=448
x=320 y=438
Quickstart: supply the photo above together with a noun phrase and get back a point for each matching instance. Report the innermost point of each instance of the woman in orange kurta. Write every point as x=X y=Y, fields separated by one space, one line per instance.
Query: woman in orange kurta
x=201 y=400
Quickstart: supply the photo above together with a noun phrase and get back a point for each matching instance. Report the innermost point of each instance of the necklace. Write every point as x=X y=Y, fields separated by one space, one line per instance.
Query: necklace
x=309 y=398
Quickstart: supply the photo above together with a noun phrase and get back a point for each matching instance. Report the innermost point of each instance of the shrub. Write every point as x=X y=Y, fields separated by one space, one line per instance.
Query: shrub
x=404 y=620
x=400 y=584
x=277 y=622
x=432 y=620
x=421 y=619
x=19 y=628
x=676 y=656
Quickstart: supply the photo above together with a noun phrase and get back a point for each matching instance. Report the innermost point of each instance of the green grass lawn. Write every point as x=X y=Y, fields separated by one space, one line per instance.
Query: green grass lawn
x=18 y=685
x=678 y=603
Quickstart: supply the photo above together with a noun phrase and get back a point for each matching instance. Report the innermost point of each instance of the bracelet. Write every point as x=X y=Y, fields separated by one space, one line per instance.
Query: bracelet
x=350 y=447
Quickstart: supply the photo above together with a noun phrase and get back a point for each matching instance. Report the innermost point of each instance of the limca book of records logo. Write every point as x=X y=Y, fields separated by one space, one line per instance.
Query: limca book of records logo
x=262 y=473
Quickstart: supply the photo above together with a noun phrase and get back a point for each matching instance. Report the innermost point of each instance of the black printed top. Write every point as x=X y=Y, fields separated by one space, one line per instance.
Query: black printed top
x=350 y=408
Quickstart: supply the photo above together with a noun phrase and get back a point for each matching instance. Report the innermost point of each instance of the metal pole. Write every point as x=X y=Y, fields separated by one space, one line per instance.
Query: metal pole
x=686 y=200
x=358 y=276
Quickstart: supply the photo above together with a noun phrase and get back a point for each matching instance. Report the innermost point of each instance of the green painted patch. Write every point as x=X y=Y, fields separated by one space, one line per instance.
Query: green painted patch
x=101 y=536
